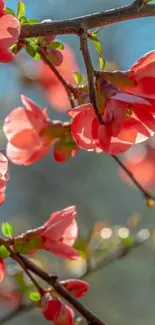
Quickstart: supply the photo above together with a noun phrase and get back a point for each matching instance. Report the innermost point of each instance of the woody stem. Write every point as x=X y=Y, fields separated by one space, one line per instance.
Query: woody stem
x=90 y=72
x=137 y=9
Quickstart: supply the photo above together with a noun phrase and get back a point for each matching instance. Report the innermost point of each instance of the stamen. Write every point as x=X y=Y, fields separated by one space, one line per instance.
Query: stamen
x=129 y=112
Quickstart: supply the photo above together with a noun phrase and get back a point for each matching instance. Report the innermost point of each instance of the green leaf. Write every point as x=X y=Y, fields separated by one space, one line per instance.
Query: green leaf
x=101 y=62
x=4 y=253
x=34 y=296
x=32 y=49
x=33 y=21
x=7 y=229
x=56 y=46
x=9 y=11
x=20 y=9
x=97 y=44
x=78 y=78
x=23 y=20
x=36 y=57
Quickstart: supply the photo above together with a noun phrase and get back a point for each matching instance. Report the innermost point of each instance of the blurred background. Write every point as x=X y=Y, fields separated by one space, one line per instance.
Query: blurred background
x=122 y=292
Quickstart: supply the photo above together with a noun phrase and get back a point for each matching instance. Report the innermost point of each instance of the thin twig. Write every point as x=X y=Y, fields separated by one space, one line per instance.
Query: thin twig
x=90 y=72
x=54 y=282
x=147 y=195
x=70 y=89
x=17 y=258
x=117 y=253
x=74 y=25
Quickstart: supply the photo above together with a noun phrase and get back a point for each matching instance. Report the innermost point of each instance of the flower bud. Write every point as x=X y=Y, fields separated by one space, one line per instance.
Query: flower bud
x=77 y=288
x=51 y=307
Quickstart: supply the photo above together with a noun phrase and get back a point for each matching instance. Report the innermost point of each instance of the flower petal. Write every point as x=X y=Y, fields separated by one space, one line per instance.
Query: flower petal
x=61 y=249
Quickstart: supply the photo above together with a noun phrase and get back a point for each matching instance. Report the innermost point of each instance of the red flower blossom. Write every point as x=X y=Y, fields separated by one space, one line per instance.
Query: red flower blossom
x=3 y=177
x=10 y=30
x=142 y=73
x=55 y=310
x=128 y=119
x=77 y=288
x=139 y=79
x=23 y=127
x=55 y=92
x=30 y=134
x=2 y=269
x=57 y=235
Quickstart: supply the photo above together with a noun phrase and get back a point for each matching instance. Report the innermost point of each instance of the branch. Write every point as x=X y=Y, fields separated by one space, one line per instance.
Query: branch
x=90 y=72
x=53 y=281
x=120 y=251
x=147 y=195
x=73 y=26
x=70 y=89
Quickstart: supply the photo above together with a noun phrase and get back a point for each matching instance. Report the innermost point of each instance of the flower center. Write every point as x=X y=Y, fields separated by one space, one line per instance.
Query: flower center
x=129 y=112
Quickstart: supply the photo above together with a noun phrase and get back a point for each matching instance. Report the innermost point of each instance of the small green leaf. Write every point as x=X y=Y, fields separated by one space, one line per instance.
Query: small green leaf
x=23 y=20
x=7 y=229
x=102 y=62
x=20 y=9
x=34 y=296
x=33 y=21
x=4 y=253
x=78 y=78
x=56 y=46
x=9 y=11
x=36 y=57
x=31 y=49
x=97 y=44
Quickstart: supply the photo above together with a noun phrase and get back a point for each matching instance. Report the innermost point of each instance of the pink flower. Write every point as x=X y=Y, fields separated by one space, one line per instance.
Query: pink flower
x=30 y=134
x=128 y=119
x=23 y=127
x=3 y=177
x=142 y=73
x=139 y=79
x=9 y=33
x=55 y=310
x=57 y=235
x=77 y=288
x=2 y=269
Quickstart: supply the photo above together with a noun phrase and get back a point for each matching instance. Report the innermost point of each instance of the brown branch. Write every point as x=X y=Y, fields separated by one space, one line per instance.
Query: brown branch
x=147 y=195
x=90 y=72
x=120 y=251
x=73 y=26
x=70 y=89
x=53 y=281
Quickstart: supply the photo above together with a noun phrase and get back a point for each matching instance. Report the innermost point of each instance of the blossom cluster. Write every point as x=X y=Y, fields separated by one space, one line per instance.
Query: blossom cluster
x=126 y=106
